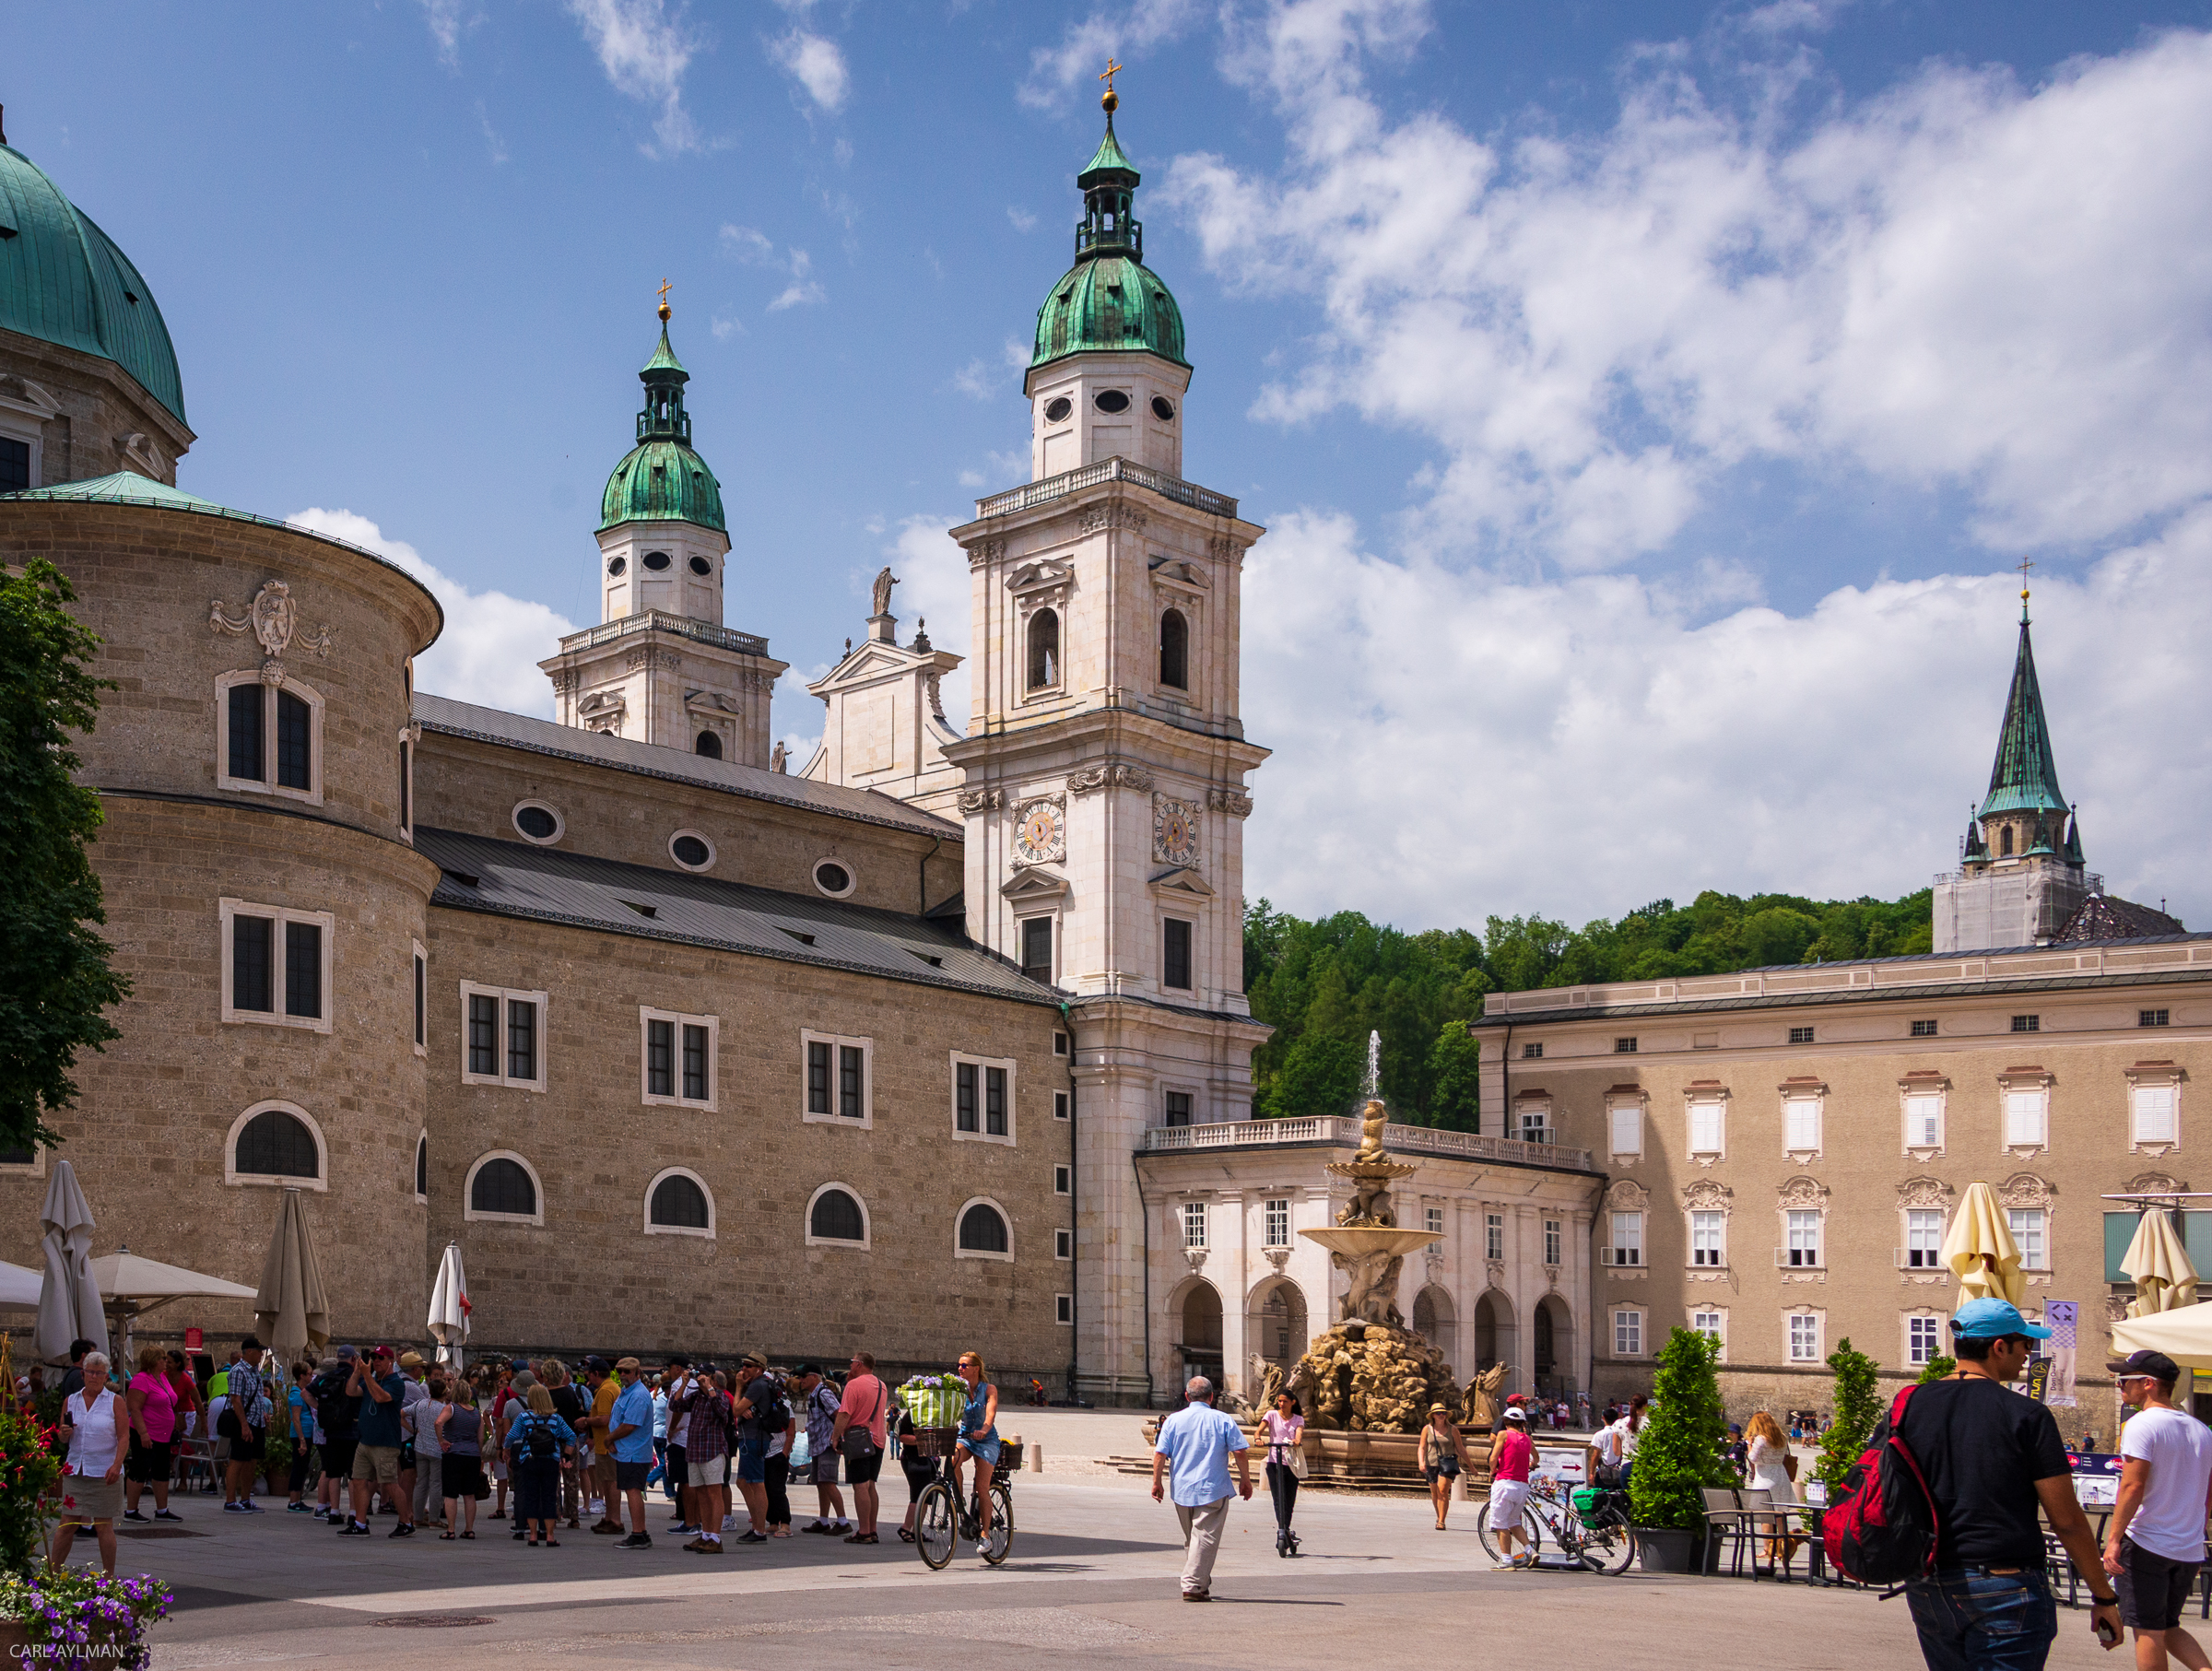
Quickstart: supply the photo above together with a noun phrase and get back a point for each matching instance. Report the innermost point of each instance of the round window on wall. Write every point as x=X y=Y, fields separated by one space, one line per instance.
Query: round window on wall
x=1057 y=408
x=833 y=878
x=692 y=850
x=1111 y=400
x=537 y=821
x=617 y=565
x=656 y=560
x=1163 y=409
x=700 y=567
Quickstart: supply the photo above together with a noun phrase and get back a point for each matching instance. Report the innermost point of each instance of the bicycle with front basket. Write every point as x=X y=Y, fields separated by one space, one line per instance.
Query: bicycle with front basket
x=941 y=1520
x=1589 y=1524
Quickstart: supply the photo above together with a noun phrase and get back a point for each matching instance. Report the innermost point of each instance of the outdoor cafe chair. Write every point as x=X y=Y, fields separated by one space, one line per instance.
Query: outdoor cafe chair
x=1726 y=1517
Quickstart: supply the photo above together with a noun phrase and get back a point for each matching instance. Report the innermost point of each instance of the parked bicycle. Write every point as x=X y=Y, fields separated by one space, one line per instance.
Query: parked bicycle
x=941 y=1520
x=1589 y=1524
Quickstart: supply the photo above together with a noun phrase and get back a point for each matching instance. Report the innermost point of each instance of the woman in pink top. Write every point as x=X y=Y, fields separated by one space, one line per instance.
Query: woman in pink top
x=153 y=1409
x=1282 y=1429
x=1511 y=1453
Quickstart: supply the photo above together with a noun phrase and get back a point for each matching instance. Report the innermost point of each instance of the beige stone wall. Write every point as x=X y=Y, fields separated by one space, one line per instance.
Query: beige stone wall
x=101 y=407
x=591 y=1277
x=471 y=786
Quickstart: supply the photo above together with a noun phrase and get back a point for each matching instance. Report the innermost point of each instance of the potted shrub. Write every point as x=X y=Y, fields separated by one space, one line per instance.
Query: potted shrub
x=80 y=1618
x=1678 y=1454
x=276 y=1463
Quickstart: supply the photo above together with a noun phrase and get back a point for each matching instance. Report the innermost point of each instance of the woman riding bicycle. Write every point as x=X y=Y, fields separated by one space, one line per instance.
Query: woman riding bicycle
x=978 y=1438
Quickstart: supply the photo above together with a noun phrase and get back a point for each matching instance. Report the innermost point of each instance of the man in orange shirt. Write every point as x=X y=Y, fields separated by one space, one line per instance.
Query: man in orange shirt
x=863 y=1411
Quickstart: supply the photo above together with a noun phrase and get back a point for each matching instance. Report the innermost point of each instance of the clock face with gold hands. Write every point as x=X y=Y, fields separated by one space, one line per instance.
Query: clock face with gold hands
x=1040 y=833
x=1174 y=830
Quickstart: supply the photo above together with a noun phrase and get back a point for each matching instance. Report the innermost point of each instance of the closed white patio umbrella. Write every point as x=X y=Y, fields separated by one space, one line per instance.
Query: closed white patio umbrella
x=69 y=1308
x=2159 y=1267
x=450 y=1307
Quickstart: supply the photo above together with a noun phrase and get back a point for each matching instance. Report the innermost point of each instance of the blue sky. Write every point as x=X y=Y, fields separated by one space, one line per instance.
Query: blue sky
x=1647 y=402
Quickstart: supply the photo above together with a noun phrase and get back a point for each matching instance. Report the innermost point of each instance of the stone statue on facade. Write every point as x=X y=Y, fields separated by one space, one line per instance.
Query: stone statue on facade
x=885 y=580
x=1478 y=1404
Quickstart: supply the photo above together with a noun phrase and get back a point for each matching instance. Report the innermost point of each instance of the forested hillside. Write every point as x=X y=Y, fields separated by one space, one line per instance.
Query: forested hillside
x=1325 y=984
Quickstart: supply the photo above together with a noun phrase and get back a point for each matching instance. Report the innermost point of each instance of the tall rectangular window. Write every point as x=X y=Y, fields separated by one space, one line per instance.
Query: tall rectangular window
x=1059 y=1105
x=1432 y=1220
x=303 y=970
x=505 y=1036
x=1801 y=1124
x=1805 y=1338
x=1554 y=1242
x=1709 y=1239
x=2024 y=1118
x=1493 y=1235
x=1707 y=1324
x=1628 y=1128
x=2154 y=1106
x=818 y=1078
x=1535 y=1123
x=1705 y=1127
x=995 y=1102
x=1628 y=1334
x=522 y=1039
x=851 y=1065
x=1628 y=1237
x=2026 y=1223
x=15 y=466
x=1804 y=1239
x=1193 y=1224
x=1924 y=1340
x=1175 y=936
x=1037 y=948
x=484 y=1036
x=407 y=786
x=696 y=1055
x=840 y=1076
x=247 y=743
x=966 y=1098
x=660 y=1059
x=1275 y=1224
x=1924 y=1120
x=253 y=963
x=295 y=742
x=1923 y=1238
x=983 y=1100
x=422 y=1002
x=1178 y=1108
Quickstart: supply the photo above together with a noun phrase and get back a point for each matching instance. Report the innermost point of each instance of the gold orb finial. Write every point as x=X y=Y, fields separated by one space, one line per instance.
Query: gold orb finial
x=664 y=301
x=1112 y=101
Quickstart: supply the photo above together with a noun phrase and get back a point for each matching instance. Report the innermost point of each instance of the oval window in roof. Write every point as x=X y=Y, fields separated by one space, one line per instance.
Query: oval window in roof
x=1057 y=408
x=1111 y=400
x=656 y=560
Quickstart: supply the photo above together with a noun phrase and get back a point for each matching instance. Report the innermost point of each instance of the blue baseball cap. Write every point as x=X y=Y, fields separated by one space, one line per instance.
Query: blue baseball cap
x=1993 y=1320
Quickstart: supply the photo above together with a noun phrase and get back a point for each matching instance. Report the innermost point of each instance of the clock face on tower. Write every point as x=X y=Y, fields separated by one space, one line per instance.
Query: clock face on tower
x=1041 y=832
x=1174 y=830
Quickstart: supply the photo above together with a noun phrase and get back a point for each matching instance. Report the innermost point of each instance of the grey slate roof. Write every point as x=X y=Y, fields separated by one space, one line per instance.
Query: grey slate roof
x=544 y=885
x=648 y=759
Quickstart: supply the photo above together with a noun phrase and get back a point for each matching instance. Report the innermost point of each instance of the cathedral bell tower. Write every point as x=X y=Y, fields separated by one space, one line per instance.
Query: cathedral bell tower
x=1102 y=769
x=661 y=667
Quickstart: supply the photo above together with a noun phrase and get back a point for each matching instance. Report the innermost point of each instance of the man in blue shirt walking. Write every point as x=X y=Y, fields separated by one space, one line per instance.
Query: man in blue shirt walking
x=1192 y=1451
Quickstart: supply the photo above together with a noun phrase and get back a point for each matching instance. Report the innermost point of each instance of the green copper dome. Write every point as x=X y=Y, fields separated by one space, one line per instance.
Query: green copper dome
x=1109 y=301
x=62 y=280
x=661 y=478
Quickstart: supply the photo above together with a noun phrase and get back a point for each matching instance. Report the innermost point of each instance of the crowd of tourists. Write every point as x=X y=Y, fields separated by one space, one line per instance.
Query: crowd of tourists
x=538 y=1445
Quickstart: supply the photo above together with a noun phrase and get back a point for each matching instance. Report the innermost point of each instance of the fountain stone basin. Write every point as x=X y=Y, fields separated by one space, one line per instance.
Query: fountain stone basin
x=1362 y=1241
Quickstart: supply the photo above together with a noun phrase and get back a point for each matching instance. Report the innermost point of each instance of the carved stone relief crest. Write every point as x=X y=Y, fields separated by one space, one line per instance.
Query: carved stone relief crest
x=2155 y=1184
x=1924 y=1193
x=2027 y=1190
x=1707 y=1195
x=973 y=801
x=272 y=618
x=1629 y=1197
x=1223 y=549
x=1108 y=516
x=1234 y=802
x=1114 y=774
x=1495 y=1269
x=986 y=550
x=1174 y=830
x=1802 y=1192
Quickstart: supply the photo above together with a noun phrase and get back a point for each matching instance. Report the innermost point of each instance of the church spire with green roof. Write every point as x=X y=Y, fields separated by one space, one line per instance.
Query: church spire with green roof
x=2024 y=777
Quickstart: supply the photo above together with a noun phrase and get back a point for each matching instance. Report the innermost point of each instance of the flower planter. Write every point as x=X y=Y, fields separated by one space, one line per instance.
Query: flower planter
x=1672 y=1549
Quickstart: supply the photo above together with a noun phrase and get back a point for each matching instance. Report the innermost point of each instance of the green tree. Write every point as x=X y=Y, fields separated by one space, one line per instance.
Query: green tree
x=1938 y=1368
x=1857 y=1409
x=54 y=978
x=1454 y=1079
x=1678 y=1454
x=1320 y=1077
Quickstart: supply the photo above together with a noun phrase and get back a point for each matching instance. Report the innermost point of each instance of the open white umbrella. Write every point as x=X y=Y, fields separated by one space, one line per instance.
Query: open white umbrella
x=450 y=1307
x=135 y=1285
x=2184 y=1334
x=2159 y=1267
x=69 y=1307
x=19 y=1288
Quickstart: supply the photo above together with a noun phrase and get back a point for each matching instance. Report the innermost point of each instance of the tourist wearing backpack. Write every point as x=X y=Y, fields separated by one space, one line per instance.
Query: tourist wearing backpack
x=1991 y=1460
x=2157 y=1538
x=539 y=1445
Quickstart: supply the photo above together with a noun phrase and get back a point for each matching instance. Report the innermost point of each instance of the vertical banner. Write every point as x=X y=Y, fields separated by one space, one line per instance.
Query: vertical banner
x=2059 y=1317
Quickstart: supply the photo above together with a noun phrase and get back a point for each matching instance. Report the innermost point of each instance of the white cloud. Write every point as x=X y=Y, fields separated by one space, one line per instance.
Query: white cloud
x=1085 y=46
x=1023 y=221
x=1964 y=285
x=816 y=64
x=447 y=19
x=492 y=643
x=1449 y=745
x=805 y=289
x=974 y=380
x=758 y=249
x=644 y=50
x=725 y=327
x=749 y=245
x=1017 y=355
x=492 y=141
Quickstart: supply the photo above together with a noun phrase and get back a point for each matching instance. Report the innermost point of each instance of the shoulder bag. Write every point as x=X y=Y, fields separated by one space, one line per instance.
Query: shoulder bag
x=859 y=1442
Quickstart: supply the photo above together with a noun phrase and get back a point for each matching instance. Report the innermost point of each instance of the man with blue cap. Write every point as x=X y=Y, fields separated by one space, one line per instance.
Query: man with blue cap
x=1992 y=1460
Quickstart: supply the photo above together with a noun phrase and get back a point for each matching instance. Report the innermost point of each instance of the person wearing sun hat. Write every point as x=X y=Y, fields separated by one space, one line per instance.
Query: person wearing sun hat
x=2155 y=1542
x=1993 y=1462
x=1511 y=1455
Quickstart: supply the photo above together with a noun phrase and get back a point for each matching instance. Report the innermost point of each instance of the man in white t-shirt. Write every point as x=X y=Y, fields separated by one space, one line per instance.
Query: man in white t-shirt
x=2156 y=1539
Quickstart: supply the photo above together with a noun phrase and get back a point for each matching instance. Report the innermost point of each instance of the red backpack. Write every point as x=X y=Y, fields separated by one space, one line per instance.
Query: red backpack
x=1881 y=1529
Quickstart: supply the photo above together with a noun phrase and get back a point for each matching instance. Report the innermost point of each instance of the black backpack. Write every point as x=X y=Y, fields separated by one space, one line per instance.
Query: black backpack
x=541 y=1442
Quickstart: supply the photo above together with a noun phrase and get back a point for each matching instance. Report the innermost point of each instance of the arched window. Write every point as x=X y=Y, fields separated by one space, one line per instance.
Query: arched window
x=983 y=1232
x=422 y=1167
x=1175 y=651
x=502 y=1187
x=1045 y=649
x=835 y=1215
x=2005 y=841
x=709 y=746
x=678 y=1202
x=276 y=1144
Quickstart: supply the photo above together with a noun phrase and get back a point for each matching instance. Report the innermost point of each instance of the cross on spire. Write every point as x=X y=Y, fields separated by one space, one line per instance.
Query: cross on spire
x=2024 y=565
x=664 y=301
x=1113 y=100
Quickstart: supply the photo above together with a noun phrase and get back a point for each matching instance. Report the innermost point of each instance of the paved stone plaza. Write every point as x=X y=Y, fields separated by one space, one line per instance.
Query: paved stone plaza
x=1093 y=1570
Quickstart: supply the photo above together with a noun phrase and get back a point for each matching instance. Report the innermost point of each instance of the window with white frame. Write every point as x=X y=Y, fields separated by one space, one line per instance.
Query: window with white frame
x=1923 y=1340
x=1805 y=1336
x=1059 y=1105
x=1193 y=1224
x=2027 y=1226
x=1627 y=1333
x=2026 y=1116
x=678 y=1058
x=502 y=1036
x=2153 y=1108
x=1493 y=1235
x=271 y=737
x=1064 y=1244
x=1432 y=1220
x=277 y=964
x=1803 y=1229
x=1924 y=1118
x=839 y=1078
x=1801 y=1124
x=1063 y=1179
x=1063 y=1309
x=983 y=1100
x=1709 y=1239
x=1923 y=1238
x=421 y=962
x=1628 y=1239
x=1555 y=1242
x=1711 y=1324
x=1625 y=1115
x=1533 y=1124
x=1707 y=1128
x=1274 y=1220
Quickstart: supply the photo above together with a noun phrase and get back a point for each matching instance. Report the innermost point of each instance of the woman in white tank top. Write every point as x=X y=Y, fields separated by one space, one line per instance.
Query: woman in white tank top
x=99 y=1423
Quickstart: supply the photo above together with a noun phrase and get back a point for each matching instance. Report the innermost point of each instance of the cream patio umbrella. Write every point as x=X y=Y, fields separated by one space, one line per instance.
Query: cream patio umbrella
x=19 y=1288
x=2184 y=1334
x=69 y=1307
x=2159 y=1265
x=450 y=1307
x=1980 y=1250
x=291 y=1312
x=135 y=1285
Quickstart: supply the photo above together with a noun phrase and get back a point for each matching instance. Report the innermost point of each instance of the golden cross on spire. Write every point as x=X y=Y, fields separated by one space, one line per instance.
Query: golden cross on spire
x=664 y=301
x=2024 y=565
x=1113 y=100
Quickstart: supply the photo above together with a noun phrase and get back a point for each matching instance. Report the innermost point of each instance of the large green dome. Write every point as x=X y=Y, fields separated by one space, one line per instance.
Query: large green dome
x=1109 y=301
x=661 y=479
x=62 y=280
